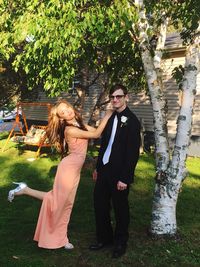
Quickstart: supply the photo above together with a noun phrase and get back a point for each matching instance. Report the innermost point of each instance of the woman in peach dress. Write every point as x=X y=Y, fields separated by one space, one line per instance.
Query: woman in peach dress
x=65 y=128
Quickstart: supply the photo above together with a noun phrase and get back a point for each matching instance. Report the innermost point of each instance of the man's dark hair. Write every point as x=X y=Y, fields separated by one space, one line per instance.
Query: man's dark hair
x=117 y=87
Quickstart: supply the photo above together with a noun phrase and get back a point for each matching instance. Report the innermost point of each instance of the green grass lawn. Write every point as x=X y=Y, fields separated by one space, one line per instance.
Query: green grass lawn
x=18 y=219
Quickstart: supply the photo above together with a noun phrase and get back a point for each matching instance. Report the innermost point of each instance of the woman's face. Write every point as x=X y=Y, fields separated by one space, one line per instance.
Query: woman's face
x=65 y=112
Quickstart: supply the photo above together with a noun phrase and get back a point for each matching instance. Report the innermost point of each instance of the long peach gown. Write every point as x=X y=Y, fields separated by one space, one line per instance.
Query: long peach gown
x=52 y=225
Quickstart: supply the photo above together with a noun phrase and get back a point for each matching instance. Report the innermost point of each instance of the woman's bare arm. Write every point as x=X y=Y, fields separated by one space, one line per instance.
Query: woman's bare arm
x=90 y=128
x=91 y=133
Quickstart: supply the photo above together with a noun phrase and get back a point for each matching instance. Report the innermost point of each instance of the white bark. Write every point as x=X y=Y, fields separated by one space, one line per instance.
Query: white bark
x=163 y=212
x=169 y=175
x=184 y=122
x=161 y=42
x=166 y=194
x=156 y=93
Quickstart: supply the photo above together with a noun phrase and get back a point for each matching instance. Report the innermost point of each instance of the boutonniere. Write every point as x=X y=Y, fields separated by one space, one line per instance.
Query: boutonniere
x=123 y=121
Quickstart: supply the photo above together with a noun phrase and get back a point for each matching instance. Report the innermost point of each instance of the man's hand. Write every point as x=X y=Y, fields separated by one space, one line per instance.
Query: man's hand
x=94 y=175
x=121 y=186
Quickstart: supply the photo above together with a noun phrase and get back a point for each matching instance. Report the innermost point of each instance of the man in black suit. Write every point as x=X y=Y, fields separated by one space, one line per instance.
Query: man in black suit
x=118 y=156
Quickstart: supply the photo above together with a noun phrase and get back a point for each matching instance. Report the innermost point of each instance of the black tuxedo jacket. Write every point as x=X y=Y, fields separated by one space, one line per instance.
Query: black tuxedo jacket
x=125 y=148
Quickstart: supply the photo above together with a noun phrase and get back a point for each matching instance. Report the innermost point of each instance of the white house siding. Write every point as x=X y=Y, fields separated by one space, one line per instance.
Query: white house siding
x=41 y=113
x=35 y=112
x=196 y=115
x=174 y=94
x=171 y=89
x=141 y=106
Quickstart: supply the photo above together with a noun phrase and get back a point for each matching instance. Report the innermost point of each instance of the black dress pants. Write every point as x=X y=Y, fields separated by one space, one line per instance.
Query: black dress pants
x=106 y=195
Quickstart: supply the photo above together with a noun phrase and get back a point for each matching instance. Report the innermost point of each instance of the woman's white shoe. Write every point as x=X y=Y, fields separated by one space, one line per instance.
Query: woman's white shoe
x=68 y=246
x=12 y=193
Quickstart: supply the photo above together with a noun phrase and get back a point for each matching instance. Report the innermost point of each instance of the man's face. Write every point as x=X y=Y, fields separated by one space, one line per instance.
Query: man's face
x=118 y=100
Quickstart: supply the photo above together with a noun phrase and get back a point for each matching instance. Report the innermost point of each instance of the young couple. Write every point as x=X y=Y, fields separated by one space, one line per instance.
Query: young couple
x=117 y=159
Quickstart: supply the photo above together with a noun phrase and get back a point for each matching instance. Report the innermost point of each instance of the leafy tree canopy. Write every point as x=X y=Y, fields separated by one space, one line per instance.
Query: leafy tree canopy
x=52 y=40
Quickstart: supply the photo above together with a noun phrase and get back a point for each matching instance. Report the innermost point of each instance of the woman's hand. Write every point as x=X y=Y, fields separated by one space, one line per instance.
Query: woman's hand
x=109 y=112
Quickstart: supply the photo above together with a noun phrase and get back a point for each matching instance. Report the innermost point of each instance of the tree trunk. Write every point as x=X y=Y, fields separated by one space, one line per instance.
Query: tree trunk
x=168 y=185
x=169 y=174
x=155 y=90
x=100 y=102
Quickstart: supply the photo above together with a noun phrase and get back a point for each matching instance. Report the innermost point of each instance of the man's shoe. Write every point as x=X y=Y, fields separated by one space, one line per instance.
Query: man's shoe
x=118 y=251
x=98 y=246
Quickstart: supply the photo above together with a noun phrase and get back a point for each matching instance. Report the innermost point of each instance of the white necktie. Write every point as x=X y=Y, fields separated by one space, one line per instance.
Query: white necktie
x=106 y=155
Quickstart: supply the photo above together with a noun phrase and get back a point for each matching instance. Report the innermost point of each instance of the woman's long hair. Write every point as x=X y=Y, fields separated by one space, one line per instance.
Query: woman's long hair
x=56 y=127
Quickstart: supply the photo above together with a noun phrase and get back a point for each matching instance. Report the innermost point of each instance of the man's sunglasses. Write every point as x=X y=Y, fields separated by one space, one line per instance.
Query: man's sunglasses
x=112 y=97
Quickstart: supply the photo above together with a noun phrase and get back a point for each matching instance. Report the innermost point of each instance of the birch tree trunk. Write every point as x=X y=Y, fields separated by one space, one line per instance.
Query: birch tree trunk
x=170 y=173
x=156 y=93
x=166 y=194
